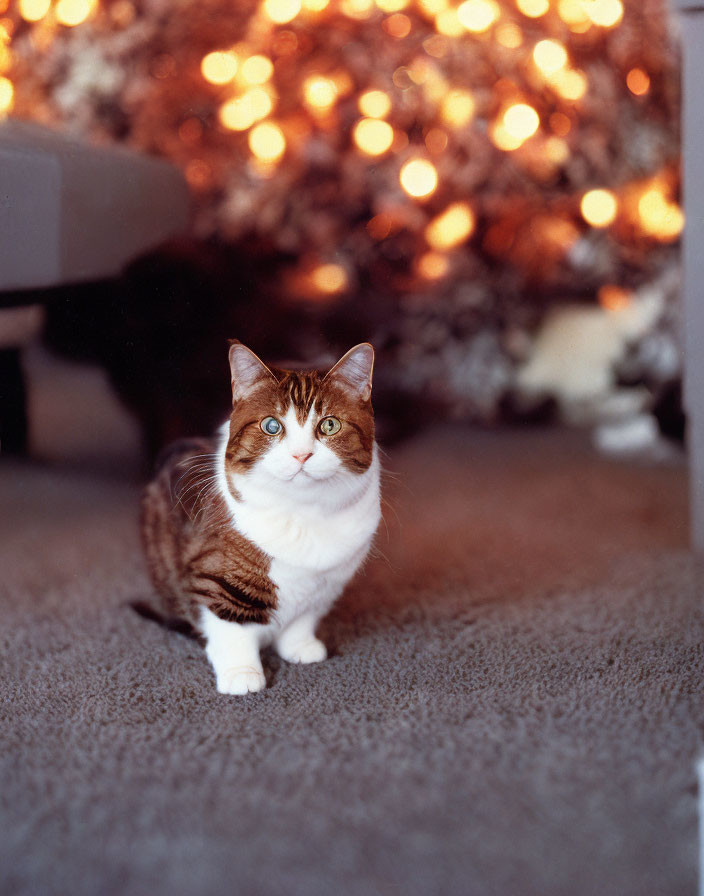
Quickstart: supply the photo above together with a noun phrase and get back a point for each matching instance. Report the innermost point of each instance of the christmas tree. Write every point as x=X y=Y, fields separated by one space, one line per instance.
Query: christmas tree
x=460 y=165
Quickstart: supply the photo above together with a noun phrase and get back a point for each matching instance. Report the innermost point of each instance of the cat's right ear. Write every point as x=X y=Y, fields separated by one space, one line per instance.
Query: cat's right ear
x=247 y=372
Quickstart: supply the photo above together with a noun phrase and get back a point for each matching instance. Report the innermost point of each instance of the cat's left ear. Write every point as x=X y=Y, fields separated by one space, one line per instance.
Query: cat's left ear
x=354 y=371
x=247 y=371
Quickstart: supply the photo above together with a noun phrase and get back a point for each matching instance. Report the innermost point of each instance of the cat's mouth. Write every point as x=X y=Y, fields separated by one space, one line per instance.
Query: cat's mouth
x=303 y=475
x=299 y=474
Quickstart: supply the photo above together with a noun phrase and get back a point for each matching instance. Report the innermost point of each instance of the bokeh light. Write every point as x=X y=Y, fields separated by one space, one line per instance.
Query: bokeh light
x=241 y=112
x=5 y=57
x=557 y=150
x=219 y=67
x=282 y=11
x=533 y=8
x=374 y=104
x=7 y=94
x=560 y=124
x=659 y=217
x=198 y=174
x=73 y=12
x=329 y=278
x=573 y=15
x=571 y=84
x=550 y=56
x=520 y=121
x=397 y=25
x=122 y=13
x=638 y=81
x=319 y=93
x=419 y=178
x=614 y=298
x=605 y=13
x=457 y=108
x=451 y=228
x=432 y=265
x=501 y=138
x=509 y=35
x=357 y=9
x=447 y=23
x=257 y=69
x=478 y=15
x=391 y=5
x=267 y=141
x=381 y=226
x=436 y=141
x=373 y=136
x=34 y=10
x=431 y=8
x=599 y=207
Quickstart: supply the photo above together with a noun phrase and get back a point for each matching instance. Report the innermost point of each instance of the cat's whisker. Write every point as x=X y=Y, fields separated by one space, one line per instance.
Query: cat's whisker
x=201 y=465
x=388 y=473
x=188 y=492
x=189 y=464
x=207 y=489
x=198 y=471
x=376 y=553
x=203 y=487
x=387 y=505
x=184 y=508
x=386 y=527
x=193 y=505
x=192 y=472
x=396 y=480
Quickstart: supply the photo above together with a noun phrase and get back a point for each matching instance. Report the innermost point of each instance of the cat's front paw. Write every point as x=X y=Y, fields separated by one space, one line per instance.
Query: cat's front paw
x=240 y=680
x=311 y=651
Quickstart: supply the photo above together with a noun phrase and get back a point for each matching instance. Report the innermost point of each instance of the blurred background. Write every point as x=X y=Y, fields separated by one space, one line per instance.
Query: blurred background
x=488 y=191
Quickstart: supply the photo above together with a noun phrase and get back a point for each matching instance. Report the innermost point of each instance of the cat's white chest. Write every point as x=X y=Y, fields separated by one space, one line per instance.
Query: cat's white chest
x=315 y=546
x=308 y=539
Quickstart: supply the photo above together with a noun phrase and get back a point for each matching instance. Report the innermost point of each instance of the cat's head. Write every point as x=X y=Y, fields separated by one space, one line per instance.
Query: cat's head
x=301 y=428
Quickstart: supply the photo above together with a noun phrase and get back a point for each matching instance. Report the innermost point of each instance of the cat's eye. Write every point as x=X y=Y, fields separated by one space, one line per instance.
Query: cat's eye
x=271 y=426
x=329 y=426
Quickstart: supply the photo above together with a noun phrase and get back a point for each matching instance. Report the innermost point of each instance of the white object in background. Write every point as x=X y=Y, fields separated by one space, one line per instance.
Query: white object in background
x=576 y=348
x=633 y=436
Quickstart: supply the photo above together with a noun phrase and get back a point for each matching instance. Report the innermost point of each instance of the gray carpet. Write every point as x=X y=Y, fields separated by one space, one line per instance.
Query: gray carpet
x=513 y=704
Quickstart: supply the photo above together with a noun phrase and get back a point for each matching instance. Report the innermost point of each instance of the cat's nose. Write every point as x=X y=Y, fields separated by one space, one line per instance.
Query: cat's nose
x=303 y=457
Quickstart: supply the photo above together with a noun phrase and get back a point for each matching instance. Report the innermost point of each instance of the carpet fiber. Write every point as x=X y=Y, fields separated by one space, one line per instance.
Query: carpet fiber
x=513 y=704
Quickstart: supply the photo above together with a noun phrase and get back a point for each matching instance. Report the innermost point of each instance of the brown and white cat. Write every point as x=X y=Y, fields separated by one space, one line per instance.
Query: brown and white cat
x=251 y=537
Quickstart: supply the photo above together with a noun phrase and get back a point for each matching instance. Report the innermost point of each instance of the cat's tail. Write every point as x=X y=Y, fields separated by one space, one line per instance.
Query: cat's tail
x=180 y=626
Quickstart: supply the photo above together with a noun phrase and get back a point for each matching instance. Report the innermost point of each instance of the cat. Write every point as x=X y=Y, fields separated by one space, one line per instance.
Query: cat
x=251 y=537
